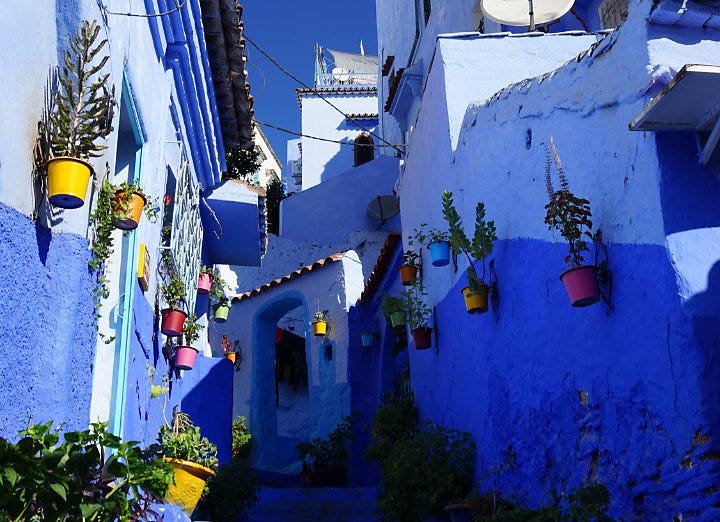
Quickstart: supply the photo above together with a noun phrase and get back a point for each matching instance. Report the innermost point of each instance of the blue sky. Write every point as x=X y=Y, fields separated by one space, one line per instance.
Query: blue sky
x=288 y=31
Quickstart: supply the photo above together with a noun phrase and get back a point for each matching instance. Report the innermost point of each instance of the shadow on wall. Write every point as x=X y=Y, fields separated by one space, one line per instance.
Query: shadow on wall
x=340 y=162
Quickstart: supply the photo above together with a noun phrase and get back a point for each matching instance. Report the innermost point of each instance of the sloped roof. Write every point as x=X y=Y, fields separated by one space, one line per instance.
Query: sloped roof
x=291 y=276
x=381 y=266
x=300 y=92
x=223 y=30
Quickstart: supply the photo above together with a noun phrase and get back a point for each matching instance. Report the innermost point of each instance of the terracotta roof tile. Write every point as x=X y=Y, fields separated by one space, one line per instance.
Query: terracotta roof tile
x=292 y=275
x=361 y=116
x=333 y=90
x=381 y=266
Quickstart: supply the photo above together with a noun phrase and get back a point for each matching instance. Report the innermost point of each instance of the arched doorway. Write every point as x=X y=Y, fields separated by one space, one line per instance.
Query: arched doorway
x=280 y=406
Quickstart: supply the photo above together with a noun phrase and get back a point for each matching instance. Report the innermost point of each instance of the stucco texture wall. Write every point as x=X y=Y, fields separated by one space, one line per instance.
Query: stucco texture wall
x=48 y=333
x=553 y=395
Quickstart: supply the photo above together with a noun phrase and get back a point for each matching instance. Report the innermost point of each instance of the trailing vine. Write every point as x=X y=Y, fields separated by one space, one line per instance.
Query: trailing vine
x=102 y=245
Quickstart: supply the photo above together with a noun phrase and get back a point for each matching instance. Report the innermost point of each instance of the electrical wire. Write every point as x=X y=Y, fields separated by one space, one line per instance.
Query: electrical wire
x=138 y=15
x=295 y=133
x=298 y=80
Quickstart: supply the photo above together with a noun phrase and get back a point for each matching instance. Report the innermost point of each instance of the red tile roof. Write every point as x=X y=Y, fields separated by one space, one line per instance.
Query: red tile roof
x=293 y=275
x=381 y=266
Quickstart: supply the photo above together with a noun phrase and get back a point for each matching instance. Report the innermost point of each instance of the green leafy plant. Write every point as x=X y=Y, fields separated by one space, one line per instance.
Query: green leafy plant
x=191 y=329
x=173 y=292
x=411 y=258
x=322 y=315
x=241 y=163
x=241 y=438
x=90 y=475
x=481 y=245
x=183 y=440
x=82 y=108
x=417 y=310
x=391 y=305
x=330 y=454
x=423 y=467
x=565 y=212
x=122 y=199
x=102 y=246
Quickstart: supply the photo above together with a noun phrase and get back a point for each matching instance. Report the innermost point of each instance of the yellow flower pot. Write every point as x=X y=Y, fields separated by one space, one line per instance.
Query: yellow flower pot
x=129 y=209
x=476 y=303
x=319 y=328
x=189 y=481
x=68 y=180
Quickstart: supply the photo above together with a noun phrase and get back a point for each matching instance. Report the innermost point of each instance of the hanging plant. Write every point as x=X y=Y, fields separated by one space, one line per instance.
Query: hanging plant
x=186 y=353
x=418 y=311
x=173 y=317
x=571 y=216
x=320 y=323
x=129 y=203
x=80 y=115
x=481 y=246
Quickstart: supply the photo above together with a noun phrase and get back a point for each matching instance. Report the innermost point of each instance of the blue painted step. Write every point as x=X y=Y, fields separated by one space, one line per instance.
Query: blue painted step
x=314 y=505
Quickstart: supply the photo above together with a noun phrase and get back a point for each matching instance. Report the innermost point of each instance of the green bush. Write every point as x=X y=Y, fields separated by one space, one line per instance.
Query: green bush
x=328 y=455
x=241 y=438
x=423 y=467
x=184 y=441
x=42 y=478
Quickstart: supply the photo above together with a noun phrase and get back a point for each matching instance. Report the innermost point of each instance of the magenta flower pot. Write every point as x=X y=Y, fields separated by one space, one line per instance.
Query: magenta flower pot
x=581 y=285
x=204 y=284
x=439 y=253
x=185 y=357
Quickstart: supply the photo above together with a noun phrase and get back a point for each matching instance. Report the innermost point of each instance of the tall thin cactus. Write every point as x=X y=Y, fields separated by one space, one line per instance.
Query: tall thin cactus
x=83 y=105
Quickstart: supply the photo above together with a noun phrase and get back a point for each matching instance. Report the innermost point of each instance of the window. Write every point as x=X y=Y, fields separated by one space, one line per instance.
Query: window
x=260 y=153
x=364 y=149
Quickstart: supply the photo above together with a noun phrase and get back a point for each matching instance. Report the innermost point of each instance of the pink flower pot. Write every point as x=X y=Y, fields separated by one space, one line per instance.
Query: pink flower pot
x=204 y=284
x=185 y=357
x=581 y=285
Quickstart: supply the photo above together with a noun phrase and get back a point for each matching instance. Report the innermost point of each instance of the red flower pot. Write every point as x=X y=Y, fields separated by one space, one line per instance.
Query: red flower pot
x=204 y=284
x=185 y=357
x=421 y=337
x=172 y=322
x=581 y=285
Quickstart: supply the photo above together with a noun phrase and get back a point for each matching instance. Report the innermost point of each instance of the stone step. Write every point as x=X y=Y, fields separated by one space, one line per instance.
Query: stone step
x=314 y=505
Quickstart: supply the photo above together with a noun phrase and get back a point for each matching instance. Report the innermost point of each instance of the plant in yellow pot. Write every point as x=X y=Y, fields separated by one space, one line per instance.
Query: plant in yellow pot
x=481 y=246
x=320 y=324
x=192 y=456
x=81 y=114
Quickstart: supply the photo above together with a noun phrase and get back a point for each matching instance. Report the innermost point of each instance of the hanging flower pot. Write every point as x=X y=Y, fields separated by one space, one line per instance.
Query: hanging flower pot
x=220 y=312
x=185 y=357
x=476 y=302
x=128 y=208
x=397 y=319
x=172 y=322
x=439 y=253
x=68 y=180
x=421 y=337
x=204 y=283
x=368 y=339
x=581 y=285
x=188 y=484
x=408 y=274
x=319 y=328
x=231 y=356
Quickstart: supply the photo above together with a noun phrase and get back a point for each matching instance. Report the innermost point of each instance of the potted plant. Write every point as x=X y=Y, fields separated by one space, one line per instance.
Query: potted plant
x=185 y=354
x=367 y=339
x=81 y=114
x=228 y=351
x=173 y=318
x=221 y=308
x=394 y=310
x=417 y=314
x=476 y=293
x=325 y=460
x=129 y=202
x=409 y=268
x=320 y=323
x=208 y=275
x=192 y=456
x=571 y=216
x=439 y=247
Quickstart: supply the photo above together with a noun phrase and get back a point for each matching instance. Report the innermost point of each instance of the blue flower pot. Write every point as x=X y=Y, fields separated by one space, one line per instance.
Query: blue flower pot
x=439 y=253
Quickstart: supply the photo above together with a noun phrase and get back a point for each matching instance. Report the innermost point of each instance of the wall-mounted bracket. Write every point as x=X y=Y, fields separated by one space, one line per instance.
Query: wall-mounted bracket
x=604 y=274
x=494 y=293
x=435 y=330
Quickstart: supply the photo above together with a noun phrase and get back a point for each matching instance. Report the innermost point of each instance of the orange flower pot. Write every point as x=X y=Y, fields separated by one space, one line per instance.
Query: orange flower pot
x=129 y=209
x=408 y=274
x=231 y=356
x=476 y=303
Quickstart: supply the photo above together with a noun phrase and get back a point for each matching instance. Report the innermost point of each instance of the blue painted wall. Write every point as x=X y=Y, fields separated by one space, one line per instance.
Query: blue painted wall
x=204 y=393
x=48 y=336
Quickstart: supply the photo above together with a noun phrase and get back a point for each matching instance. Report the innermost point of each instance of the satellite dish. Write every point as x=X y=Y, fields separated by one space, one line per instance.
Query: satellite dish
x=340 y=74
x=383 y=208
x=525 y=12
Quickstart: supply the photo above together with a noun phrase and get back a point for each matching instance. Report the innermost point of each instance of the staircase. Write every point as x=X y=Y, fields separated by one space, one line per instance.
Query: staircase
x=303 y=504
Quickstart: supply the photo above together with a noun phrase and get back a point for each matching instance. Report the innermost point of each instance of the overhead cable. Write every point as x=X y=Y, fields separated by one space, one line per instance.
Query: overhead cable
x=317 y=93
x=177 y=7
x=283 y=129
